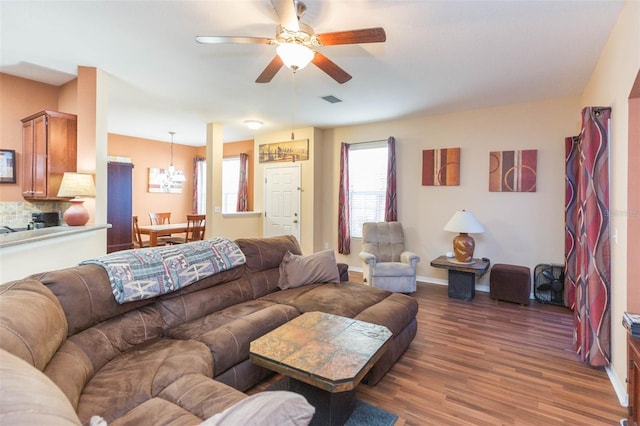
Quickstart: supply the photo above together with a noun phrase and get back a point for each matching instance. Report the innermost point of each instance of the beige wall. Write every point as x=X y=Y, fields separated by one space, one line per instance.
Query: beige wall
x=310 y=183
x=610 y=85
x=521 y=228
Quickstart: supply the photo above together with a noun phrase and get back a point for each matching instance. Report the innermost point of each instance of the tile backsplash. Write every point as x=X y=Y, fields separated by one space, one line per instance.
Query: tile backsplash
x=18 y=214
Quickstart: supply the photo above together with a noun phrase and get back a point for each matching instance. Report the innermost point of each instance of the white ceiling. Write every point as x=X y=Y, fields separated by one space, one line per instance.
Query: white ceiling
x=440 y=56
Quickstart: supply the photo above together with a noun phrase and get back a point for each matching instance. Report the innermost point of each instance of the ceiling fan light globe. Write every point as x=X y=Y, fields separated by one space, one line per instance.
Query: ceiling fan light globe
x=295 y=56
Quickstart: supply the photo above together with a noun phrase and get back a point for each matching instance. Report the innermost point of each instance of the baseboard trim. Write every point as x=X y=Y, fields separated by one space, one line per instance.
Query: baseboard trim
x=429 y=280
x=619 y=387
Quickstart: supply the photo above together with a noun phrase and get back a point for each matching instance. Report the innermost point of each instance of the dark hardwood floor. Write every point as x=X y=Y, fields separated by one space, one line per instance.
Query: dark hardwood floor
x=492 y=363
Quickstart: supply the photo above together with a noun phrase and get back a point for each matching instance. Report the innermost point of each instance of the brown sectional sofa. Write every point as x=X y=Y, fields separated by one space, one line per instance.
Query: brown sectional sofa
x=176 y=358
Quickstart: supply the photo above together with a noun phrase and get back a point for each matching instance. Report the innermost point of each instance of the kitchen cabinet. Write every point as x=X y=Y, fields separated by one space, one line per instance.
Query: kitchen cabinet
x=119 y=206
x=633 y=378
x=49 y=148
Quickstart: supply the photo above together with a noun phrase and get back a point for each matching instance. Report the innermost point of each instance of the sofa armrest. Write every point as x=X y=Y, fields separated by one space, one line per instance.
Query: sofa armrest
x=409 y=257
x=343 y=271
x=368 y=258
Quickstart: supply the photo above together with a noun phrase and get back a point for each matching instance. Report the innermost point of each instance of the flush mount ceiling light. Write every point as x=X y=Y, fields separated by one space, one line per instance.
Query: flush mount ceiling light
x=294 y=55
x=253 y=124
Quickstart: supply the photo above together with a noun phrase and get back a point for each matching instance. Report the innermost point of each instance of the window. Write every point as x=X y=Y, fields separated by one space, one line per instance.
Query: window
x=230 y=178
x=367 y=184
x=201 y=193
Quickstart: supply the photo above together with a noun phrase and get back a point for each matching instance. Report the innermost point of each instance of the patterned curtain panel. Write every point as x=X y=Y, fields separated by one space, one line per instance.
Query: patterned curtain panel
x=587 y=249
x=391 y=201
x=571 y=145
x=243 y=191
x=194 y=202
x=344 y=236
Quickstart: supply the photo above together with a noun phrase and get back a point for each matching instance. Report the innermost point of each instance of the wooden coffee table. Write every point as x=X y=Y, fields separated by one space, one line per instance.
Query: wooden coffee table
x=324 y=357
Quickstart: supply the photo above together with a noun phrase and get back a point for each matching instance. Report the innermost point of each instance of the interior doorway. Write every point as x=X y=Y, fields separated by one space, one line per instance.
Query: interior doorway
x=282 y=201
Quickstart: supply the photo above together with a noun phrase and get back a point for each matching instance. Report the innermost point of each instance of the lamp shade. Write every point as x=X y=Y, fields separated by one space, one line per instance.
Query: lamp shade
x=294 y=55
x=464 y=221
x=77 y=185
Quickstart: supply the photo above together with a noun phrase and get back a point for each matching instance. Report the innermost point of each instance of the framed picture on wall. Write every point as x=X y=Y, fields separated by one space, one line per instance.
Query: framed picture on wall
x=441 y=167
x=284 y=151
x=513 y=171
x=7 y=166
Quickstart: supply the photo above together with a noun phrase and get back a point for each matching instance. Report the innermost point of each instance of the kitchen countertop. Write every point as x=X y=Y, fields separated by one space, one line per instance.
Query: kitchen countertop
x=34 y=235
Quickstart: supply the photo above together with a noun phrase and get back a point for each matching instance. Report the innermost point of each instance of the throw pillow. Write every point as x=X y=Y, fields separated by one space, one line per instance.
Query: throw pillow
x=270 y=408
x=296 y=271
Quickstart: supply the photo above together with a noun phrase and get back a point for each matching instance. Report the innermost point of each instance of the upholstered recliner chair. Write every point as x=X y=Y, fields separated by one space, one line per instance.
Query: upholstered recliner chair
x=385 y=263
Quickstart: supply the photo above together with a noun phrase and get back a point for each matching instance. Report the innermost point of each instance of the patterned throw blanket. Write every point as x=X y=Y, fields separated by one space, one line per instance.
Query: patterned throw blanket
x=146 y=273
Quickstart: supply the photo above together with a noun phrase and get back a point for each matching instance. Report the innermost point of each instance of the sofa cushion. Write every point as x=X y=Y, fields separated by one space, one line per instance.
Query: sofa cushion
x=70 y=369
x=229 y=332
x=156 y=411
x=185 y=307
x=109 y=339
x=188 y=400
x=267 y=253
x=394 y=312
x=331 y=298
x=85 y=295
x=32 y=322
x=29 y=397
x=141 y=374
x=201 y=395
x=296 y=270
x=275 y=408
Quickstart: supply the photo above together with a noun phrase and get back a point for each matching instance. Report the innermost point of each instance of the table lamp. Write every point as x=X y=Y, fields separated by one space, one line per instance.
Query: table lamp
x=76 y=185
x=465 y=223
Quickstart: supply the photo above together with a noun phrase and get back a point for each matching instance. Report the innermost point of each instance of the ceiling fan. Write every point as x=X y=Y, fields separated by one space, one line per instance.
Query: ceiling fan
x=297 y=42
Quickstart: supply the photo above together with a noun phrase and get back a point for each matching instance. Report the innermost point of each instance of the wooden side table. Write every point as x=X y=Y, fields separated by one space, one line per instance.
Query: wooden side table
x=462 y=276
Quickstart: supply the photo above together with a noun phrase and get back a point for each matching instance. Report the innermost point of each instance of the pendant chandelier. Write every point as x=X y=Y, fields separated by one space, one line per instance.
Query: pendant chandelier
x=172 y=175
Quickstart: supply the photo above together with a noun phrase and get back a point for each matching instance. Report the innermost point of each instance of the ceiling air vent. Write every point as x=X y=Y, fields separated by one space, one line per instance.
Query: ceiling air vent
x=331 y=99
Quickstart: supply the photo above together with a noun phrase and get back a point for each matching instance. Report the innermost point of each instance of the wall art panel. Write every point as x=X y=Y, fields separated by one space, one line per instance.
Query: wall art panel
x=513 y=171
x=441 y=167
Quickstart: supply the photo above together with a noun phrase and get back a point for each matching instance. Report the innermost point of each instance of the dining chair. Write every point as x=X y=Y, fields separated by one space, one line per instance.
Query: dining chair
x=137 y=236
x=159 y=218
x=196 y=224
x=195 y=230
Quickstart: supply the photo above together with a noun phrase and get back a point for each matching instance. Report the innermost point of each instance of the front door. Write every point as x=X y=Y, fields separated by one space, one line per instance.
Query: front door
x=282 y=201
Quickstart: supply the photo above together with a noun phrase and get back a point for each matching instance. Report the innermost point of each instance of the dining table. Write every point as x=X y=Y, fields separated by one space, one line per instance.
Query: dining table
x=155 y=231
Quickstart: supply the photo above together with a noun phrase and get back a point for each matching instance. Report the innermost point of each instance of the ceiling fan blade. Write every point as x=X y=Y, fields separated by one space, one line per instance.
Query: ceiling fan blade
x=225 y=39
x=287 y=13
x=271 y=70
x=367 y=35
x=328 y=66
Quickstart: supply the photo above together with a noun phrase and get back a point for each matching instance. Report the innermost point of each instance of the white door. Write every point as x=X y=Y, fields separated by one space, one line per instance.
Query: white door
x=282 y=201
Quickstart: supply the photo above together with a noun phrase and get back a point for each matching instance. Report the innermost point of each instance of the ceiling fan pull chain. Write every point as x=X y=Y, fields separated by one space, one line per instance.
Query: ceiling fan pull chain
x=293 y=104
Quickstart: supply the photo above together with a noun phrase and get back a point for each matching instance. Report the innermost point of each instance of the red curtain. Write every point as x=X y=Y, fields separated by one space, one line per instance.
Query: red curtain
x=587 y=241
x=344 y=236
x=391 y=200
x=243 y=192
